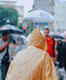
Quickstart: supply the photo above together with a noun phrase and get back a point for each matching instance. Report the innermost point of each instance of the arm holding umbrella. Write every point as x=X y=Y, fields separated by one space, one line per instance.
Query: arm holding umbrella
x=5 y=38
x=3 y=47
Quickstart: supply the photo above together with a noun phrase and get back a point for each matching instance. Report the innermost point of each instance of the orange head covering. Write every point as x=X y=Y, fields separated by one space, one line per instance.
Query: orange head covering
x=38 y=40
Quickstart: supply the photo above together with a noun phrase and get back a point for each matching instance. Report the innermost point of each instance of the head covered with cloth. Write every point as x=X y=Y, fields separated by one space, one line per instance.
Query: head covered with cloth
x=38 y=40
x=33 y=63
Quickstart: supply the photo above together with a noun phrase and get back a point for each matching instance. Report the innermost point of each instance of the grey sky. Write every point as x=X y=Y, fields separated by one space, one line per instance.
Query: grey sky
x=61 y=0
x=27 y=5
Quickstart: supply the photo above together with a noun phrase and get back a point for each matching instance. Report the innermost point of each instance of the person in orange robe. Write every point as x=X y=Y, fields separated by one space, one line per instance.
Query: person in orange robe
x=33 y=63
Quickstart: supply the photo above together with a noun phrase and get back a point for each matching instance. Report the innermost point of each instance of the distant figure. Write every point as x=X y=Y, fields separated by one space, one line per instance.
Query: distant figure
x=50 y=43
x=64 y=55
x=24 y=28
x=33 y=63
x=60 y=51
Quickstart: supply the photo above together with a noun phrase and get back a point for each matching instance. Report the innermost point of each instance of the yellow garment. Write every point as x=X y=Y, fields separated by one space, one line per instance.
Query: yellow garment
x=32 y=64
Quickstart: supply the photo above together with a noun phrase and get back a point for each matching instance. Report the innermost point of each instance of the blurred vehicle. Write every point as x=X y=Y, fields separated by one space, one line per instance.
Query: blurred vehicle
x=20 y=44
x=19 y=39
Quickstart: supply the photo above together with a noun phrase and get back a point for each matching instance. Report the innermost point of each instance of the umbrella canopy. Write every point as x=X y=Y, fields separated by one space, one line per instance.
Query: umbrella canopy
x=57 y=37
x=39 y=16
x=10 y=29
x=63 y=34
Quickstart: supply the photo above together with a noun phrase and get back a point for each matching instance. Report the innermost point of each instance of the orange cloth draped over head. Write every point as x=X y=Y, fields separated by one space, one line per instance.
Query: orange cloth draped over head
x=38 y=40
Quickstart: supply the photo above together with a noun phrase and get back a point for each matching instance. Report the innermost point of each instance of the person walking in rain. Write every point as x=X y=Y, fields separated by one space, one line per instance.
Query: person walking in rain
x=4 y=55
x=33 y=63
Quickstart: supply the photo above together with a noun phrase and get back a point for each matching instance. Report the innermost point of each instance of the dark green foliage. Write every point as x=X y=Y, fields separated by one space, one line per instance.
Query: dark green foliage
x=9 y=14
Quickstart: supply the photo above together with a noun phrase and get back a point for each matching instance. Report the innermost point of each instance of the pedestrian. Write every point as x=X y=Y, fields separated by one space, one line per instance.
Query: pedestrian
x=50 y=43
x=60 y=51
x=24 y=28
x=33 y=63
x=64 y=55
x=4 y=55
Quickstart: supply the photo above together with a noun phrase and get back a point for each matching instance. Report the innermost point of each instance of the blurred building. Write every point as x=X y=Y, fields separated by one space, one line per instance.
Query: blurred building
x=60 y=16
x=47 y=5
x=16 y=4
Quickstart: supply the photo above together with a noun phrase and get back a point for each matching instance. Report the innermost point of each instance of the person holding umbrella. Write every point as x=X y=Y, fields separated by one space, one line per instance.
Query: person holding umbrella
x=4 y=55
x=33 y=63
x=6 y=30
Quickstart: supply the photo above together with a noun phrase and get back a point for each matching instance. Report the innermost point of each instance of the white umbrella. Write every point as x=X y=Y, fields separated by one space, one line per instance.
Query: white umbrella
x=39 y=16
x=64 y=34
x=10 y=29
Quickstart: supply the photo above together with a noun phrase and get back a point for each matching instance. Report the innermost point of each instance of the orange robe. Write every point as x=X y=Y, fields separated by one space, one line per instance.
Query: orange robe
x=32 y=64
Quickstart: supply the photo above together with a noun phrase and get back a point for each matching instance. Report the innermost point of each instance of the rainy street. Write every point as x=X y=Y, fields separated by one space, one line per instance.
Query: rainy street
x=33 y=40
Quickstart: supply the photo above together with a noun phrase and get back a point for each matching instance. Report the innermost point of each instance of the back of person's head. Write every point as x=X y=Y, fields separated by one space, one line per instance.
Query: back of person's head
x=59 y=43
x=5 y=33
x=5 y=36
x=38 y=40
x=46 y=32
x=47 y=29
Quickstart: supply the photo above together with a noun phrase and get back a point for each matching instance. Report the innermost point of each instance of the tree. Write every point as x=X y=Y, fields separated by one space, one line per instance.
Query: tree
x=2 y=16
x=8 y=15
